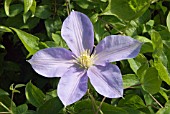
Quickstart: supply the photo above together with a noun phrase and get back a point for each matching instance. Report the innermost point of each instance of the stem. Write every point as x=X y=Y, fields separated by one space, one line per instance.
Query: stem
x=68 y=7
x=12 y=97
x=133 y=86
x=100 y=106
x=156 y=100
x=93 y=101
x=9 y=111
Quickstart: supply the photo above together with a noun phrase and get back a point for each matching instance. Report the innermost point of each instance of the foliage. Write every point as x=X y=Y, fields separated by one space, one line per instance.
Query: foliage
x=27 y=26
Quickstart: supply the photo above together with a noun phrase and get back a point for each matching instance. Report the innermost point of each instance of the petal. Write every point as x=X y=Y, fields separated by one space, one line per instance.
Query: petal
x=116 y=48
x=107 y=80
x=52 y=62
x=72 y=86
x=77 y=31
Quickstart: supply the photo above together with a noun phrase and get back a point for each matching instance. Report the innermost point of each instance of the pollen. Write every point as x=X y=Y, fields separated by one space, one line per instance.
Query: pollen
x=85 y=59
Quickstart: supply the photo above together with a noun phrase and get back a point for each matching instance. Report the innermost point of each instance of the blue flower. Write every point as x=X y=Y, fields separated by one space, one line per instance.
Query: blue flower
x=83 y=62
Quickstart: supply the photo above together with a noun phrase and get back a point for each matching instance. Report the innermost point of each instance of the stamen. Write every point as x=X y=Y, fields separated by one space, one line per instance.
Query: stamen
x=85 y=59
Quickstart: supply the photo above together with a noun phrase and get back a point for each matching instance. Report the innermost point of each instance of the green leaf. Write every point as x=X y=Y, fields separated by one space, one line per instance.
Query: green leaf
x=147 y=46
x=59 y=40
x=100 y=33
x=34 y=95
x=136 y=63
x=27 y=5
x=15 y=9
x=86 y=107
x=130 y=80
x=33 y=8
x=43 y=12
x=157 y=44
x=168 y=21
x=150 y=81
x=132 y=101
x=52 y=25
x=142 y=70
x=12 y=10
x=19 y=86
x=5 y=29
x=21 y=109
x=2 y=92
x=30 y=42
x=126 y=9
x=163 y=93
x=6 y=6
x=133 y=111
x=52 y=106
x=164 y=110
x=162 y=71
x=7 y=102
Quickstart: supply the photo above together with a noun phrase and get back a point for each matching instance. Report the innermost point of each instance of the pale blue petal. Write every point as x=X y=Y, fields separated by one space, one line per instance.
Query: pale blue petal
x=77 y=31
x=72 y=86
x=107 y=80
x=116 y=48
x=52 y=62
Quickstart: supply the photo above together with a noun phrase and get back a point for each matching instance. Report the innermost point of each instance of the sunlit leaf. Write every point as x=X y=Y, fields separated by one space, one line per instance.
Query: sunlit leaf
x=126 y=9
x=5 y=29
x=52 y=106
x=2 y=92
x=162 y=71
x=34 y=95
x=165 y=110
x=132 y=101
x=130 y=80
x=150 y=81
x=27 y=5
x=168 y=21
x=30 y=42
x=6 y=6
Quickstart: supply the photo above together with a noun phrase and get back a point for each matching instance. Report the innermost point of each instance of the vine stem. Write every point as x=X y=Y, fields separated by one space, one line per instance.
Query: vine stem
x=92 y=100
x=156 y=100
x=9 y=111
x=68 y=6
x=100 y=106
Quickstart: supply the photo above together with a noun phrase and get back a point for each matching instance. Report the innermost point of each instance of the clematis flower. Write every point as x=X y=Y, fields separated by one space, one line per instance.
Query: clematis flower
x=83 y=61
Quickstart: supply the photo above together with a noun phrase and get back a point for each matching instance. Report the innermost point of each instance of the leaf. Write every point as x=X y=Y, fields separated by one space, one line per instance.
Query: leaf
x=27 y=5
x=164 y=110
x=137 y=62
x=7 y=102
x=52 y=106
x=150 y=81
x=6 y=6
x=43 y=12
x=19 y=86
x=131 y=101
x=130 y=80
x=168 y=21
x=52 y=25
x=12 y=10
x=126 y=9
x=34 y=95
x=33 y=8
x=86 y=107
x=142 y=70
x=15 y=9
x=162 y=71
x=2 y=92
x=30 y=42
x=147 y=46
x=5 y=29
x=21 y=109
x=161 y=91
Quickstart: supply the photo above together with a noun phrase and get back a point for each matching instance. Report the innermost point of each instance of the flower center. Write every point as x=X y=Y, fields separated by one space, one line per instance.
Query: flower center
x=85 y=59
